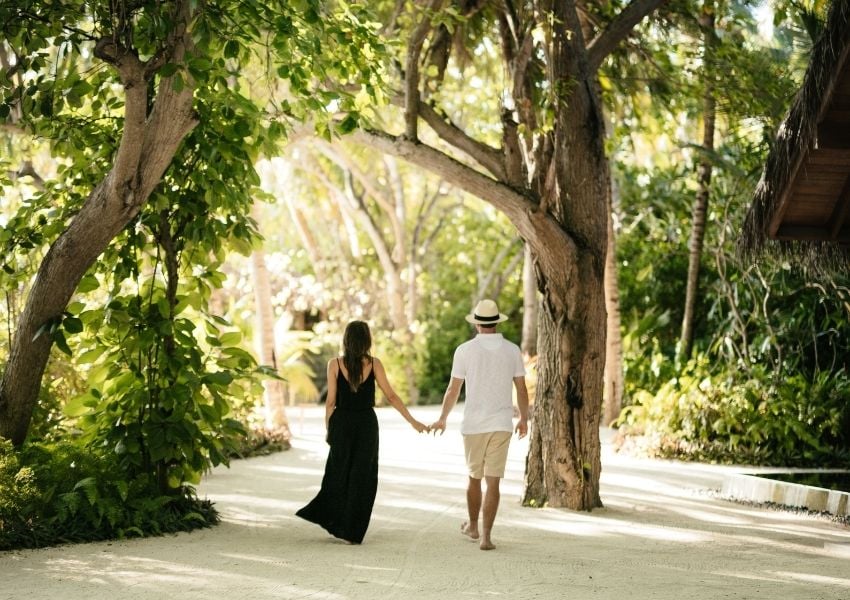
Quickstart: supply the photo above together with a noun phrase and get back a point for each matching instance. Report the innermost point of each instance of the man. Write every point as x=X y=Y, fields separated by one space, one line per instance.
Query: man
x=488 y=364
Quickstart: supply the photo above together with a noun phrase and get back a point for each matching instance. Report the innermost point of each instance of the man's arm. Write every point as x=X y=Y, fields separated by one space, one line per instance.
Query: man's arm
x=449 y=400
x=522 y=405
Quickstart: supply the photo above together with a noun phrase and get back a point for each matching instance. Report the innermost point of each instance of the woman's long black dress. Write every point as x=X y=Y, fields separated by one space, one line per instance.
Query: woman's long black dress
x=343 y=505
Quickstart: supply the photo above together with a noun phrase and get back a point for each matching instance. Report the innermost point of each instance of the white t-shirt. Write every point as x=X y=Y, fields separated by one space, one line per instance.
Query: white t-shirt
x=488 y=364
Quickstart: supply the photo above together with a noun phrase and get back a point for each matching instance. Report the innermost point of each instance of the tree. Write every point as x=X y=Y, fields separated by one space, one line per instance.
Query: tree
x=167 y=59
x=613 y=396
x=274 y=393
x=530 y=305
x=550 y=177
x=700 y=206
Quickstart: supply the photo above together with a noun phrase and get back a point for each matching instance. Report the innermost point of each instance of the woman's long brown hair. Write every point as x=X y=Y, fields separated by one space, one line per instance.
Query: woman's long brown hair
x=356 y=343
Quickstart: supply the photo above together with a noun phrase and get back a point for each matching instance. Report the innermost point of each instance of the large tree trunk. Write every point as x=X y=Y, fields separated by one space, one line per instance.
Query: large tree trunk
x=148 y=145
x=564 y=460
x=563 y=469
x=686 y=342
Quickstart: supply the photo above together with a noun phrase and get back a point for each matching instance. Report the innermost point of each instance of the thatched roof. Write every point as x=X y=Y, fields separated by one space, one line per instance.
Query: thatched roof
x=801 y=207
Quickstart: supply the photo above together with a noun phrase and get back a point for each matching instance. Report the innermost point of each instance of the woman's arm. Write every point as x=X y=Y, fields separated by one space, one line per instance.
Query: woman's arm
x=330 y=402
x=393 y=398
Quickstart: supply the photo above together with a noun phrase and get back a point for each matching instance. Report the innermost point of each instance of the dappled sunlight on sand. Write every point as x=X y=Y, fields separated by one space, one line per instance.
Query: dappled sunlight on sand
x=660 y=536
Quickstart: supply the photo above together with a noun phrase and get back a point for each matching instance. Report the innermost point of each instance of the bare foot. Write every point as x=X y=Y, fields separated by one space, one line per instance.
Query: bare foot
x=468 y=531
x=486 y=544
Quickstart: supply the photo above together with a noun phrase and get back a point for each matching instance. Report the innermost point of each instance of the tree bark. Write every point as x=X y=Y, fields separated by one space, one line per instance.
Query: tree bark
x=612 y=401
x=698 y=218
x=147 y=146
x=274 y=394
x=530 y=305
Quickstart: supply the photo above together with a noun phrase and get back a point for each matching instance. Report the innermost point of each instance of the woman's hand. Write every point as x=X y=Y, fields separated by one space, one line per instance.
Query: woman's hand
x=419 y=427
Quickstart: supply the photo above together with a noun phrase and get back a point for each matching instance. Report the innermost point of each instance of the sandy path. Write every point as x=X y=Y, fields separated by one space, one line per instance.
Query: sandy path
x=657 y=538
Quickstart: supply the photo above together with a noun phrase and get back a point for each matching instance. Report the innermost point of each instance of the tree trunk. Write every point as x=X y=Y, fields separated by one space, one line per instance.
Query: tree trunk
x=706 y=21
x=148 y=145
x=564 y=470
x=530 y=305
x=274 y=394
x=612 y=401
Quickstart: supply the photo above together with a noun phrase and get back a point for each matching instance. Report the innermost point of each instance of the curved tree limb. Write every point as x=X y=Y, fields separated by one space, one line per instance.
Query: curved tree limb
x=331 y=151
x=488 y=157
x=618 y=29
x=551 y=242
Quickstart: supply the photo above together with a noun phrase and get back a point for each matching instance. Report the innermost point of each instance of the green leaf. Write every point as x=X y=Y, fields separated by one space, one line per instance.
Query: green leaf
x=88 y=283
x=231 y=49
x=75 y=308
x=90 y=356
x=79 y=405
x=168 y=70
x=61 y=342
x=231 y=338
x=72 y=325
x=219 y=378
x=348 y=124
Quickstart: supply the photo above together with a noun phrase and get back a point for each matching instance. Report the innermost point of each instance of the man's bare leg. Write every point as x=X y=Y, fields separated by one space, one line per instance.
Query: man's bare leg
x=473 y=506
x=491 y=506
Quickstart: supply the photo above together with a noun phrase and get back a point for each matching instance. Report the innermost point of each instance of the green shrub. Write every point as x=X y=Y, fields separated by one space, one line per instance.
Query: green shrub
x=734 y=419
x=58 y=493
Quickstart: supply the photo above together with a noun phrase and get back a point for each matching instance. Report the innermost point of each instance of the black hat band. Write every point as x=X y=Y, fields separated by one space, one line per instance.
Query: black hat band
x=496 y=318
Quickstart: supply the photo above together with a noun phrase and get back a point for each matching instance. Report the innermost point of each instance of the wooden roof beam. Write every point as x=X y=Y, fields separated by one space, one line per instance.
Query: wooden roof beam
x=841 y=210
x=834 y=135
x=804 y=233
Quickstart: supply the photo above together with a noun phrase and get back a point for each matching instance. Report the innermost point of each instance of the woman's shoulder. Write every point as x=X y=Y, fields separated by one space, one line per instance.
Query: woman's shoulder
x=333 y=363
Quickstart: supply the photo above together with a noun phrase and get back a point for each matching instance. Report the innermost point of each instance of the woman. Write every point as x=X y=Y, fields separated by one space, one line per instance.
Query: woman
x=343 y=505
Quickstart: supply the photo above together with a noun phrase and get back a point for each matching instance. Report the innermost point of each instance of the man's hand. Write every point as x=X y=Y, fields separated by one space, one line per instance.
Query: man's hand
x=439 y=425
x=522 y=428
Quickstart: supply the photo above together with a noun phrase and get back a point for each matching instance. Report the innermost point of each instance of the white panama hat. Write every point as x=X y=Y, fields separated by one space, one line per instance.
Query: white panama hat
x=486 y=313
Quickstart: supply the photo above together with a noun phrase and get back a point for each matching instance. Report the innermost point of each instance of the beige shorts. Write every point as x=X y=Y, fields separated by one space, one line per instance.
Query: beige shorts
x=486 y=453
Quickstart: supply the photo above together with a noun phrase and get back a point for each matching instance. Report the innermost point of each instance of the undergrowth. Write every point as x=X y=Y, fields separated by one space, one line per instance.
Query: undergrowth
x=60 y=493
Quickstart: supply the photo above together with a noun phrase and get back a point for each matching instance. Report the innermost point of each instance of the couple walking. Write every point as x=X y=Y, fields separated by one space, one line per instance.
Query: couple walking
x=489 y=365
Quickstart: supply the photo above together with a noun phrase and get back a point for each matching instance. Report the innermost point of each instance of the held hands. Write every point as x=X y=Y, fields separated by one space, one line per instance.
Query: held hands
x=419 y=426
x=438 y=425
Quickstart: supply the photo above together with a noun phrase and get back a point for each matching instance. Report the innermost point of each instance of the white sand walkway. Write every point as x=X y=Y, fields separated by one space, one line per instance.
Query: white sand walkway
x=657 y=538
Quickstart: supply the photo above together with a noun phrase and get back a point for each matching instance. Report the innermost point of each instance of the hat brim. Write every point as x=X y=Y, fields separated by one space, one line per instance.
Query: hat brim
x=474 y=321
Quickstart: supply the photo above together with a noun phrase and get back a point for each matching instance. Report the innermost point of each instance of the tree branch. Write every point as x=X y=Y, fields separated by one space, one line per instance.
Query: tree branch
x=330 y=151
x=172 y=116
x=374 y=232
x=552 y=245
x=411 y=75
x=488 y=157
x=424 y=211
x=488 y=278
x=27 y=170
x=505 y=198
x=618 y=29
x=392 y=24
